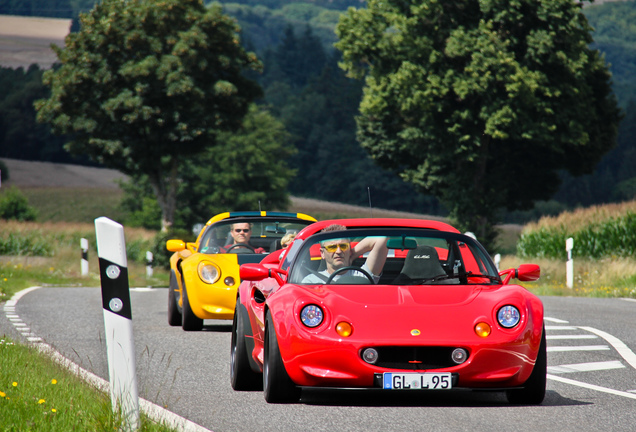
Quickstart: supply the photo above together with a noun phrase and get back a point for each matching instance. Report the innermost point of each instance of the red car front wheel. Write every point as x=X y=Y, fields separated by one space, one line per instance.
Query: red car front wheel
x=277 y=386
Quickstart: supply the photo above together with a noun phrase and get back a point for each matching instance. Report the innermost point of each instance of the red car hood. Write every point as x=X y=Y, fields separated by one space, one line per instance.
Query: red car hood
x=442 y=314
x=388 y=295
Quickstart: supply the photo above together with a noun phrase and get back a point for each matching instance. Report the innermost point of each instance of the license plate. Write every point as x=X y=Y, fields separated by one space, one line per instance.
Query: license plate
x=417 y=381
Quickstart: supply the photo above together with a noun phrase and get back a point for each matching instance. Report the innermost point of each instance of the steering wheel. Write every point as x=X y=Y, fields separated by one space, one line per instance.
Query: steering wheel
x=347 y=268
x=241 y=245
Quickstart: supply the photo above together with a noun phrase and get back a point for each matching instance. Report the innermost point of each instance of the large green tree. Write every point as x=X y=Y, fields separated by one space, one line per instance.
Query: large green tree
x=245 y=171
x=480 y=102
x=145 y=84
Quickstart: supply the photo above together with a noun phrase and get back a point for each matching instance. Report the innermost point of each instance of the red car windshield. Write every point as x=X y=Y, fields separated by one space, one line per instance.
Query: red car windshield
x=414 y=257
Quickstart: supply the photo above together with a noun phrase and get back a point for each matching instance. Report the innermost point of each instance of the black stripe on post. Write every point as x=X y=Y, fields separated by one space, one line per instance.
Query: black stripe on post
x=115 y=292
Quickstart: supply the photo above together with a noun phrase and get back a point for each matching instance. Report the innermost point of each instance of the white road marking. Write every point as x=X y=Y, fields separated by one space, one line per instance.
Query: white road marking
x=560 y=328
x=618 y=345
x=555 y=320
x=586 y=367
x=578 y=348
x=629 y=299
x=571 y=337
x=591 y=386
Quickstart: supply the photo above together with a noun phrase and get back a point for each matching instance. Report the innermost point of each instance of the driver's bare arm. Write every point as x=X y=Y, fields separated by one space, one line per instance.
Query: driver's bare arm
x=376 y=246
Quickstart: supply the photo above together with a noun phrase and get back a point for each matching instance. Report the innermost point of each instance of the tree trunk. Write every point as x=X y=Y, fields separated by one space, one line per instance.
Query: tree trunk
x=165 y=189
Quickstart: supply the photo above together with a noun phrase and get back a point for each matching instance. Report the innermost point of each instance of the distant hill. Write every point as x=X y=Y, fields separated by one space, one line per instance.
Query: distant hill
x=31 y=174
x=27 y=40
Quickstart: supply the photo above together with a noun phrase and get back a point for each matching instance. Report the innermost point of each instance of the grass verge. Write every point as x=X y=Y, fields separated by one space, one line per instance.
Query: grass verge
x=37 y=394
x=611 y=277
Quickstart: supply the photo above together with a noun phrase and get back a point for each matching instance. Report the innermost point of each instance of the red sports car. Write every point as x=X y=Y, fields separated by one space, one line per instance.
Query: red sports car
x=392 y=304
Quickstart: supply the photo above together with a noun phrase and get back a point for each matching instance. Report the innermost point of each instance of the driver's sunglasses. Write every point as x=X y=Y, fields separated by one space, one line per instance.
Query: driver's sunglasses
x=334 y=247
x=245 y=230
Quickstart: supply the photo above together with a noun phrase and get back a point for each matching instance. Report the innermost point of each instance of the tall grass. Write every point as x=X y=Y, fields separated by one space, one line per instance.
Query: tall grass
x=609 y=277
x=49 y=254
x=598 y=232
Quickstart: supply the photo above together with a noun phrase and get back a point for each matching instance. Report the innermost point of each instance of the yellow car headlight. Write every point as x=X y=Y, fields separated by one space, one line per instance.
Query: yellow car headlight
x=208 y=272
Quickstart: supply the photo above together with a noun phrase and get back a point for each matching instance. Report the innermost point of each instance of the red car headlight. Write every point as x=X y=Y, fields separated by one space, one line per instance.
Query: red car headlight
x=508 y=316
x=311 y=315
x=208 y=272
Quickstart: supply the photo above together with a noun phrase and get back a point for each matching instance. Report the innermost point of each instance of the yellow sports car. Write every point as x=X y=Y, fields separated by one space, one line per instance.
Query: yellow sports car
x=204 y=275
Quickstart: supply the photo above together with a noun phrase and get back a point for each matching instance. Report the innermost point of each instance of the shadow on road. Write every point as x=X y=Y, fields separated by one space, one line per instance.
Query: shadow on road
x=452 y=398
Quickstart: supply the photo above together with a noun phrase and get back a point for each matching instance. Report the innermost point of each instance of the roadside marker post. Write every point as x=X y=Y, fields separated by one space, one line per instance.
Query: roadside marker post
x=149 y=258
x=120 y=346
x=84 y=261
x=569 y=265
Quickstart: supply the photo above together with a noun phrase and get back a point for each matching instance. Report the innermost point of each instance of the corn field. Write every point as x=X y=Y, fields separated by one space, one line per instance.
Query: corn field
x=598 y=232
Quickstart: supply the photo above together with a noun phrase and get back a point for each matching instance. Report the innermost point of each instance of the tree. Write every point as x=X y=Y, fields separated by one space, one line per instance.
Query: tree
x=21 y=137
x=143 y=85
x=246 y=170
x=479 y=102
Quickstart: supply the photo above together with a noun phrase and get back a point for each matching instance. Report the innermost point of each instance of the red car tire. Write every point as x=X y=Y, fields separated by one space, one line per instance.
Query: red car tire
x=533 y=391
x=277 y=386
x=242 y=376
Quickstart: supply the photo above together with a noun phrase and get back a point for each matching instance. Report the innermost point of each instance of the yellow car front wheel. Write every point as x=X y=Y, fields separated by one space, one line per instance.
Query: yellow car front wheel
x=174 y=312
x=190 y=321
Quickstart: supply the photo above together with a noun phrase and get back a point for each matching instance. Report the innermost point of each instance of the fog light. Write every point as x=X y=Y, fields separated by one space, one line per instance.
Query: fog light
x=482 y=329
x=459 y=355
x=370 y=355
x=229 y=281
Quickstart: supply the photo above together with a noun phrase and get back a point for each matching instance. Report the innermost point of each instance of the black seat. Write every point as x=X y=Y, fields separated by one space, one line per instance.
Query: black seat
x=275 y=245
x=420 y=264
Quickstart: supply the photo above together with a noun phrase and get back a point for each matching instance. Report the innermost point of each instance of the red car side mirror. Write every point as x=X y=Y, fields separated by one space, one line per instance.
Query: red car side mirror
x=258 y=272
x=528 y=272
x=253 y=272
x=525 y=273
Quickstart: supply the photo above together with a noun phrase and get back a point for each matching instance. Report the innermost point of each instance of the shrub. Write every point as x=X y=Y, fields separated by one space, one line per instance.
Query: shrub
x=14 y=205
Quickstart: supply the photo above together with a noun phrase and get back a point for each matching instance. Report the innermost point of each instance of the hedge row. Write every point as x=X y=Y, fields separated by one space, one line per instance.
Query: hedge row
x=610 y=238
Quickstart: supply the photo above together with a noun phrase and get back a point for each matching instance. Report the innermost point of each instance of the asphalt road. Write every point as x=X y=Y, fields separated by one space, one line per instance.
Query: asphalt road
x=591 y=361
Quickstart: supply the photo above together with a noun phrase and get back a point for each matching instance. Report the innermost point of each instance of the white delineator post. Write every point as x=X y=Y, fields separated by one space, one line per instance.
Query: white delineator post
x=120 y=346
x=497 y=260
x=149 y=258
x=569 y=265
x=84 y=261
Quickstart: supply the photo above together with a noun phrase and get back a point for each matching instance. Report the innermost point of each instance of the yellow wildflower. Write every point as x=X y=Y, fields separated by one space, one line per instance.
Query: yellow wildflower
x=41 y=401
